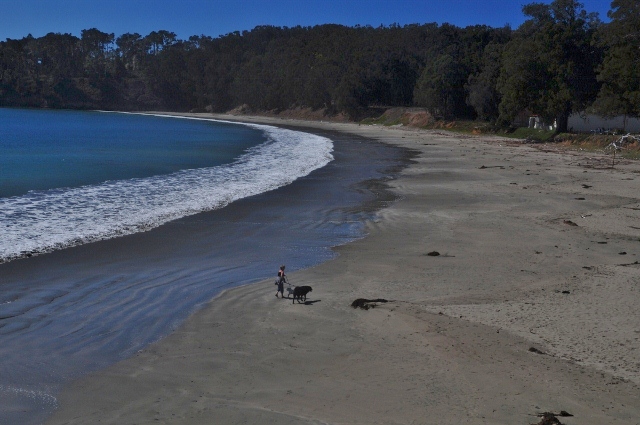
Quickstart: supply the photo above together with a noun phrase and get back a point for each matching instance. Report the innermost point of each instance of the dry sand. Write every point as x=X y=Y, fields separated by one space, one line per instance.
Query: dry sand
x=531 y=245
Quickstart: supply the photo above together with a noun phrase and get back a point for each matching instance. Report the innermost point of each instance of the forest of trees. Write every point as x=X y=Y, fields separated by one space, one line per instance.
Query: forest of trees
x=561 y=60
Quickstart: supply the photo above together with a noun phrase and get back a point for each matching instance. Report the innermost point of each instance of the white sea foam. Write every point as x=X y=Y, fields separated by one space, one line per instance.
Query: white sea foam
x=45 y=221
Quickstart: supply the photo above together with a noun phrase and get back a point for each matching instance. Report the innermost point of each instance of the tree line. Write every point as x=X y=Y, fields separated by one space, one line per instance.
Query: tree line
x=561 y=60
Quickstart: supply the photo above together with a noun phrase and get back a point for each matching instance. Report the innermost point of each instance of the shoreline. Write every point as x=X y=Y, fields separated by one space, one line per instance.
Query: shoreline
x=81 y=309
x=522 y=312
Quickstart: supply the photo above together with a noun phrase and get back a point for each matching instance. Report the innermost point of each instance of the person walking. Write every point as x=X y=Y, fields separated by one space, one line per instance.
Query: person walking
x=281 y=281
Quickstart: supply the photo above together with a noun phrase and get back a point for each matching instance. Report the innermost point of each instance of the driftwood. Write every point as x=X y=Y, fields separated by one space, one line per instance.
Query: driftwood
x=548 y=418
x=366 y=304
x=619 y=144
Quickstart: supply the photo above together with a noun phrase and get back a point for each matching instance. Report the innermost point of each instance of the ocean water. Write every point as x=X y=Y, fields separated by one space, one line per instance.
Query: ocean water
x=69 y=178
x=117 y=264
x=45 y=149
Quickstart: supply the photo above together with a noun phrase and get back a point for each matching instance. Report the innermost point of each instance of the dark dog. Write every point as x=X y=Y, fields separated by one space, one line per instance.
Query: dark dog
x=300 y=292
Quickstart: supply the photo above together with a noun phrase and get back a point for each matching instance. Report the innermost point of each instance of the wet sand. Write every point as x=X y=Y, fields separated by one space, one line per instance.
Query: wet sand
x=531 y=306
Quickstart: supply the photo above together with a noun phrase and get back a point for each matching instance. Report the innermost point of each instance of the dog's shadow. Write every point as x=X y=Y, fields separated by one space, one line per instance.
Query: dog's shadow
x=309 y=302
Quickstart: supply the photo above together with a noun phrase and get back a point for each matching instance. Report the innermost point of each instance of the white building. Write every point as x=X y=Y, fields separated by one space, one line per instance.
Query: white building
x=594 y=123
x=536 y=122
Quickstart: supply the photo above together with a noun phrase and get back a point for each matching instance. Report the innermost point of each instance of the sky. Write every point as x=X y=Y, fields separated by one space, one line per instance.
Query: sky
x=19 y=18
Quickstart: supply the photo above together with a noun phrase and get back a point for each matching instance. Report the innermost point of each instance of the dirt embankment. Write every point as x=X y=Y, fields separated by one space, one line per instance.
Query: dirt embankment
x=306 y=114
x=410 y=117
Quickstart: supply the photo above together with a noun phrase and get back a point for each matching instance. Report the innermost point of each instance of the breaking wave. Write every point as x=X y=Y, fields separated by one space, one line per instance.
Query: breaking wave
x=43 y=221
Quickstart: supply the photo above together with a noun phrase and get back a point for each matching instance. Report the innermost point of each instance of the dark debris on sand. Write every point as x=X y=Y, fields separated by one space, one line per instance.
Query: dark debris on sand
x=548 y=418
x=366 y=304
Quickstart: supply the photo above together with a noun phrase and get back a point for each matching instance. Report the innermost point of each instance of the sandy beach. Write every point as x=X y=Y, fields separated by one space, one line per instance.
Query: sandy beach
x=531 y=306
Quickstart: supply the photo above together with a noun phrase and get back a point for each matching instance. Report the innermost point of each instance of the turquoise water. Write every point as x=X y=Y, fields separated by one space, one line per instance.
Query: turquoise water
x=42 y=149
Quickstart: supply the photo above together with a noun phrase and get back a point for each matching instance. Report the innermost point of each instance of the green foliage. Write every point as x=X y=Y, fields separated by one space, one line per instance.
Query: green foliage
x=482 y=93
x=440 y=87
x=532 y=134
x=548 y=66
x=620 y=69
